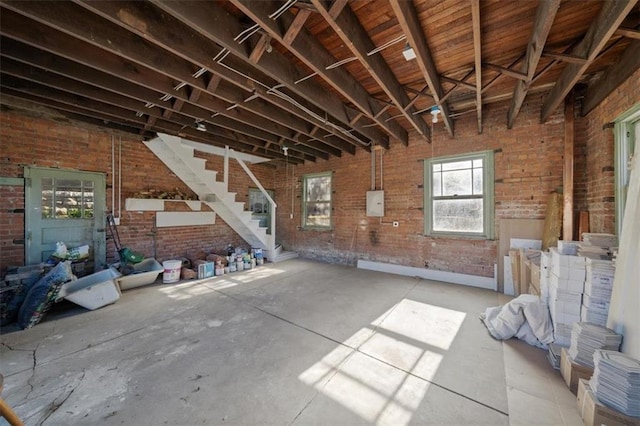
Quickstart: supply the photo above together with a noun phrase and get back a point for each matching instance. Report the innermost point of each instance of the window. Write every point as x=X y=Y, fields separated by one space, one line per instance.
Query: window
x=458 y=195
x=67 y=198
x=316 y=207
x=627 y=129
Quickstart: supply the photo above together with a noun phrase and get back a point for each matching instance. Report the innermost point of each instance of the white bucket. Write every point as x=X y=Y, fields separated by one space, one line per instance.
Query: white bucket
x=171 y=271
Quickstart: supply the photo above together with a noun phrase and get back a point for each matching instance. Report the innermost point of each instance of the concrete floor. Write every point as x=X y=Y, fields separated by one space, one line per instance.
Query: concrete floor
x=297 y=342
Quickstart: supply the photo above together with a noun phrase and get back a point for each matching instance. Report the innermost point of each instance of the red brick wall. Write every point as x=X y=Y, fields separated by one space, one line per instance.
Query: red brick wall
x=597 y=171
x=528 y=165
x=43 y=142
x=527 y=168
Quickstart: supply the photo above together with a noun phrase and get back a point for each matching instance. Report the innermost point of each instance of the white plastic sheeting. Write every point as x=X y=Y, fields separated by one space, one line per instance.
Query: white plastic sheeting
x=526 y=317
x=624 y=316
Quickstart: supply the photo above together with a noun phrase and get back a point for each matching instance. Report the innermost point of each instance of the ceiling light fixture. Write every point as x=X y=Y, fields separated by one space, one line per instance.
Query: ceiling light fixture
x=285 y=150
x=435 y=110
x=408 y=52
x=200 y=126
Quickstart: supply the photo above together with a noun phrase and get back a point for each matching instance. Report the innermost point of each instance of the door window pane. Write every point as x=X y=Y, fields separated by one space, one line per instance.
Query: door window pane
x=67 y=199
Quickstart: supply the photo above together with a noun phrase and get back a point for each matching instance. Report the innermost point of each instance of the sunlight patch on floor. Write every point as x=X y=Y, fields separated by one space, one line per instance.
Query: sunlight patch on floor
x=382 y=372
x=187 y=289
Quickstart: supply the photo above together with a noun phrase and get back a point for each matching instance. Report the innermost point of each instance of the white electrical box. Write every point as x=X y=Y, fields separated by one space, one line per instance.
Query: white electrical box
x=375 y=203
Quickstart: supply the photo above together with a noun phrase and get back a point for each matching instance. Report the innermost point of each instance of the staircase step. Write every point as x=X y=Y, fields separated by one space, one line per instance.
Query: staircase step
x=284 y=255
x=179 y=158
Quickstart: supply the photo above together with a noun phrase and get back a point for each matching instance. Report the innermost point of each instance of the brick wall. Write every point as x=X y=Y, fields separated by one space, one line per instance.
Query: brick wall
x=527 y=167
x=596 y=177
x=45 y=142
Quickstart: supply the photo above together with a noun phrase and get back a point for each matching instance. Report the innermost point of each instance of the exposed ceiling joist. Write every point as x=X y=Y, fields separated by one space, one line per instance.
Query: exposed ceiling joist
x=477 y=54
x=545 y=15
x=86 y=95
x=629 y=62
x=169 y=34
x=564 y=57
x=296 y=26
x=313 y=54
x=628 y=32
x=220 y=26
x=506 y=71
x=356 y=38
x=408 y=19
x=611 y=16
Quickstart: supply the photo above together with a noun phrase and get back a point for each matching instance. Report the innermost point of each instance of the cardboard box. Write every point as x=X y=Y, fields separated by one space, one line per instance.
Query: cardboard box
x=572 y=372
x=594 y=413
x=560 y=260
x=567 y=284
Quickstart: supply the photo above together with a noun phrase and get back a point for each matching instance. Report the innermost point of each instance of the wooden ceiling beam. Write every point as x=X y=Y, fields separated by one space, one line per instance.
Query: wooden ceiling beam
x=564 y=57
x=212 y=21
x=314 y=55
x=408 y=19
x=110 y=86
x=173 y=35
x=143 y=53
x=477 y=50
x=506 y=71
x=296 y=25
x=545 y=14
x=347 y=26
x=628 y=32
x=458 y=82
x=10 y=96
x=264 y=43
x=336 y=7
x=602 y=28
x=613 y=77
x=45 y=84
x=91 y=108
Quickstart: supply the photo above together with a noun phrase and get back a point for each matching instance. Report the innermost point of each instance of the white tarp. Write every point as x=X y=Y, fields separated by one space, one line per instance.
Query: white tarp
x=526 y=317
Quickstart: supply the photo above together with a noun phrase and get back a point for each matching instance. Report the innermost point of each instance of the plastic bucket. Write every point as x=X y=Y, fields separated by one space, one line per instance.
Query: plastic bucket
x=171 y=271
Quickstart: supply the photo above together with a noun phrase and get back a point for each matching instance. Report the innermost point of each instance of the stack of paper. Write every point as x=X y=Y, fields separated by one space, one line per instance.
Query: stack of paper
x=587 y=338
x=553 y=355
x=601 y=240
x=616 y=381
x=597 y=246
x=568 y=247
x=597 y=291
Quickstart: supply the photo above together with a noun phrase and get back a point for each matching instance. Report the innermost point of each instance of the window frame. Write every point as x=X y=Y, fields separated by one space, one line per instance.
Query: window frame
x=488 y=206
x=305 y=202
x=624 y=130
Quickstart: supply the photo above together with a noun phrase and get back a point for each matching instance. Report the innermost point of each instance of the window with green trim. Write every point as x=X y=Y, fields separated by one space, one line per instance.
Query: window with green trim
x=458 y=195
x=316 y=201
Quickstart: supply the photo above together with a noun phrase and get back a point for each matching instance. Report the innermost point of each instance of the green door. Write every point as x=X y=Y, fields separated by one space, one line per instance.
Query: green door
x=66 y=206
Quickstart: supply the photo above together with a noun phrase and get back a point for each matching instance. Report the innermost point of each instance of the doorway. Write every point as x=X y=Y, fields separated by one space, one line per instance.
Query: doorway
x=260 y=207
x=66 y=206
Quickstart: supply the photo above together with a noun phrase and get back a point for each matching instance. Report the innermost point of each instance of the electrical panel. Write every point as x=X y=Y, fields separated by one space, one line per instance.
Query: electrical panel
x=375 y=203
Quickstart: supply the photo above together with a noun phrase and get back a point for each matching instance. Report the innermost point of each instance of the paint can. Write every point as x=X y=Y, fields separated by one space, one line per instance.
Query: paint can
x=171 y=272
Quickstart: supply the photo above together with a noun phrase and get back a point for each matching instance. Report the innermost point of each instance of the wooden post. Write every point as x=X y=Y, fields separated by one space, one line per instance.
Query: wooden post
x=567 y=179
